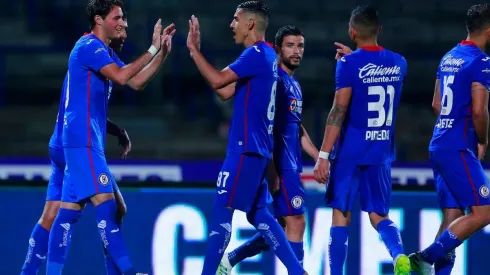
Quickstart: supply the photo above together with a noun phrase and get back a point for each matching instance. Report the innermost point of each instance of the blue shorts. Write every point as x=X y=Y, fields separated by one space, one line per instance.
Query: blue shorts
x=55 y=184
x=289 y=200
x=86 y=175
x=372 y=182
x=460 y=179
x=241 y=182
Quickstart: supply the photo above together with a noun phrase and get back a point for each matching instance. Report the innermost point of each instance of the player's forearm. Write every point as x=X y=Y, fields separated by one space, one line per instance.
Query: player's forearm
x=210 y=74
x=142 y=79
x=307 y=145
x=227 y=92
x=131 y=70
x=480 y=121
x=112 y=128
x=332 y=130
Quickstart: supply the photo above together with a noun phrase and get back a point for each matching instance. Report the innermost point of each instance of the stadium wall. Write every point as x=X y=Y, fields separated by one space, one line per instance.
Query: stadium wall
x=166 y=231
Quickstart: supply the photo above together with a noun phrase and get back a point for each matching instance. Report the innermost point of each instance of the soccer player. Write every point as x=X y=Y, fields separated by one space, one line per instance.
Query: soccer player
x=91 y=67
x=359 y=139
x=38 y=242
x=241 y=182
x=289 y=137
x=459 y=142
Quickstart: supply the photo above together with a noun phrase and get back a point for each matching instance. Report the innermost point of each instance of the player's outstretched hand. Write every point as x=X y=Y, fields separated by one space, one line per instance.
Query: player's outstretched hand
x=482 y=149
x=157 y=35
x=322 y=170
x=342 y=50
x=194 y=36
x=125 y=143
x=168 y=34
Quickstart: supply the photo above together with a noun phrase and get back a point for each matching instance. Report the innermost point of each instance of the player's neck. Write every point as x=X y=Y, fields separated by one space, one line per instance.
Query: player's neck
x=253 y=38
x=367 y=43
x=289 y=71
x=480 y=41
x=101 y=36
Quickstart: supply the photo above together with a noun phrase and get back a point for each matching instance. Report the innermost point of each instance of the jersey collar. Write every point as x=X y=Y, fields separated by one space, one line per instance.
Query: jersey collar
x=372 y=48
x=468 y=43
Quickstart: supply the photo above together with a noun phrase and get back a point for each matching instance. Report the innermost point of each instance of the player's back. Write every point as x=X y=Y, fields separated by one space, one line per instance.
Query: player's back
x=86 y=94
x=376 y=77
x=287 y=123
x=56 y=140
x=461 y=66
x=254 y=102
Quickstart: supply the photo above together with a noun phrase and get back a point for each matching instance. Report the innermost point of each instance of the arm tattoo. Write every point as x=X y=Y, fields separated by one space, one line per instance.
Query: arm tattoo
x=337 y=115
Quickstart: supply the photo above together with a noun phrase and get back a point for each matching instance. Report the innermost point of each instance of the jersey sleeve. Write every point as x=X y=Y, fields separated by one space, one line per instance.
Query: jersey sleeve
x=118 y=60
x=481 y=71
x=95 y=55
x=342 y=74
x=248 y=64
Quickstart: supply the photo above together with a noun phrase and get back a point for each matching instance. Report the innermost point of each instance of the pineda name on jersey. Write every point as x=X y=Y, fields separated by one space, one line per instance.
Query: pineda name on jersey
x=372 y=73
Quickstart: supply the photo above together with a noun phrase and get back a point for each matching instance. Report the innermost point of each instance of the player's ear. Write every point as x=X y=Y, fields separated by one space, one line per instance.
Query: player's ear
x=251 y=24
x=277 y=49
x=98 y=20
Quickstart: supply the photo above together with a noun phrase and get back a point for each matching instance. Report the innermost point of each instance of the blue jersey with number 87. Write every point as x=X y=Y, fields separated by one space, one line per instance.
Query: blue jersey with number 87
x=461 y=66
x=254 y=106
x=376 y=78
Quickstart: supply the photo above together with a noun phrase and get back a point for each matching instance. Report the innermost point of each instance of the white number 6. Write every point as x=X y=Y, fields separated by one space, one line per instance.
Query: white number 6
x=447 y=95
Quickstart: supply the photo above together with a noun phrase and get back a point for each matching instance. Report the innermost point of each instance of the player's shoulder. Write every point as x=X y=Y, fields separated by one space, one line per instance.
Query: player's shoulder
x=395 y=55
x=258 y=50
x=88 y=42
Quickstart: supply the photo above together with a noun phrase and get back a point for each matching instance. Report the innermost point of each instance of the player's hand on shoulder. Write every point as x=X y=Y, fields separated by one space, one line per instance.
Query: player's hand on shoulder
x=194 y=35
x=125 y=143
x=322 y=170
x=341 y=50
x=168 y=34
x=157 y=35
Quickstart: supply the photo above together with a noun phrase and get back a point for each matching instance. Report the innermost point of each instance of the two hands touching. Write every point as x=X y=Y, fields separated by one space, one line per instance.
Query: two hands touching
x=162 y=41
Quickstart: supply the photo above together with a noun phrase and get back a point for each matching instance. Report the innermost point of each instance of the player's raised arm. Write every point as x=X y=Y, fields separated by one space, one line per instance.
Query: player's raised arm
x=307 y=145
x=226 y=92
x=142 y=79
x=122 y=75
x=216 y=79
x=436 y=100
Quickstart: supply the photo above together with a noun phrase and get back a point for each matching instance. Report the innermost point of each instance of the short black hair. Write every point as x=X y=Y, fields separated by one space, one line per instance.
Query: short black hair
x=258 y=8
x=286 y=31
x=478 y=18
x=101 y=8
x=365 y=20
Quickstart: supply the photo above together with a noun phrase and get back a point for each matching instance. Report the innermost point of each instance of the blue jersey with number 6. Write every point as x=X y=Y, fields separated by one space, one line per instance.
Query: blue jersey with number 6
x=254 y=103
x=376 y=78
x=461 y=66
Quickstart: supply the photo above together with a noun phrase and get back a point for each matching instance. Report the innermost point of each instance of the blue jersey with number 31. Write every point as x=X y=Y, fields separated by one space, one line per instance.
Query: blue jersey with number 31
x=376 y=77
x=254 y=104
x=461 y=66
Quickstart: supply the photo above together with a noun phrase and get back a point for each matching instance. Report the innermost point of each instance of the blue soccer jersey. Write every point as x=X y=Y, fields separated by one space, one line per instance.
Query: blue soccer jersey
x=254 y=104
x=87 y=94
x=287 y=123
x=461 y=66
x=376 y=77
